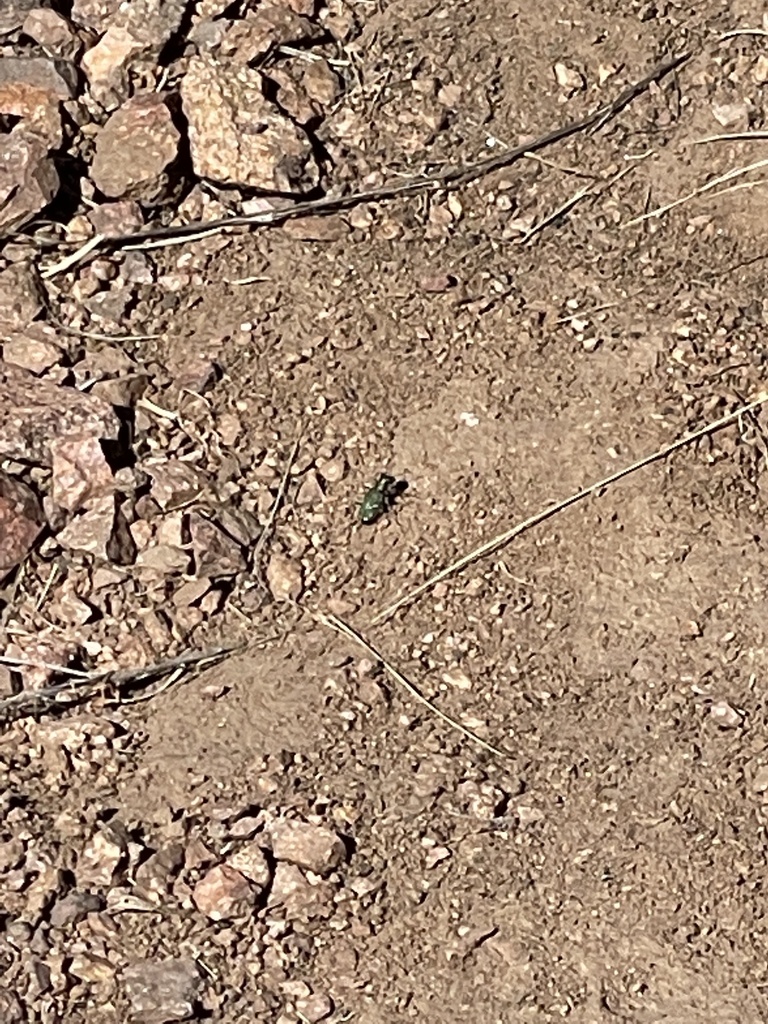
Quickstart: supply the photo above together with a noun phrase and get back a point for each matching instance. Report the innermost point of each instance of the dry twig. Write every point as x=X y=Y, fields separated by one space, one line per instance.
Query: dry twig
x=721 y=179
x=504 y=538
x=335 y=623
x=449 y=177
x=264 y=535
x=76 y=686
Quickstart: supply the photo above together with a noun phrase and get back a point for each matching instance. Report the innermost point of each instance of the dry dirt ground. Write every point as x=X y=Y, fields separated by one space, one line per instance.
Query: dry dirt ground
x=611 y=865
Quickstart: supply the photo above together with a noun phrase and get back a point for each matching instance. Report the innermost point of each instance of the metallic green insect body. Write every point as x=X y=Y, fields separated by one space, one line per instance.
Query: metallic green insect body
x=378 y=499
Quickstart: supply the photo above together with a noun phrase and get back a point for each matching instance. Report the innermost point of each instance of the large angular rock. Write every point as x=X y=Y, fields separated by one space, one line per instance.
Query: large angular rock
x=12 y=17
x=35 y=413
x=162 y=990
x=135 y=151
x=32 y=88
x=134 y=33
x=21 y=520
x=57 y=77
x=237 y=137
x=28 y=178
x=22 y=297
x=253 y=37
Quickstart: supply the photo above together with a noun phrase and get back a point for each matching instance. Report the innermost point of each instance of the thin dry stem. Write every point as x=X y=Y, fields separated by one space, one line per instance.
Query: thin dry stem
x=504 y=538
x=75 y=257
x=335 y=623
x=264 y=536
x=720 y=180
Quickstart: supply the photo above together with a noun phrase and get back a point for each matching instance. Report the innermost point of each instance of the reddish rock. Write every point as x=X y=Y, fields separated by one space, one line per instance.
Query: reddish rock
x=237 y=137
x=80 y=472
x=135 y=151
x=224 y=893
x=34 y=413
x=92 y=531
x=309 y=846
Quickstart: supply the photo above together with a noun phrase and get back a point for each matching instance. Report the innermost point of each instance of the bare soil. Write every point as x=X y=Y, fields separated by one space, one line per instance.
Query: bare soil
x=611 y=867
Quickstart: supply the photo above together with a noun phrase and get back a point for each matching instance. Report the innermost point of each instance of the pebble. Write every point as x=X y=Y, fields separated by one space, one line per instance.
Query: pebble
x=284 y=577
x=313 y=847
x=224 y=893
x=162 y=990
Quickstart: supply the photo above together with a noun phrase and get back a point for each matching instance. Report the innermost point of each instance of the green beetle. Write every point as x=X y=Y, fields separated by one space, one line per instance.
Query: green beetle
x=380 y=498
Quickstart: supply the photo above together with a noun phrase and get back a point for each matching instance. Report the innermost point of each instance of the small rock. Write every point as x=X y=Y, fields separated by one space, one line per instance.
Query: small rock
x=731 y=115
x=95 y=970
x=321 y=83
x=39 y=110
x=11 y=855
x=163 y=559
x=760 y=780
x=314 y=1007
x=121 y=218
x=53 y=31
x=92 y=531
x=251 y=862
x=313 y=847
x=175 y=483
x=332 y=469
x=253 y=37
x=725 y=715
x=11 y=1009
x=316 y=229
x=162 y=990
x=47 y=651
x=284 y=577
x=34 y=413
x=310 y=492
x=11 y=18
x=30 y=353
x=80 y=472
x=22 y=296
x=568 y=78
x=215 y=553
x=482 y=799
x=28 y=178
x=436 y=283
x=57 y=77
x=760 y=70
x=299 y=899
x=224 y=893
x=102 y=856
x=105 y=65
x=455 y=677
x=135 y=151
x=237 y=137
x=74 y=907
x=435 y=855
x=21 y=522
x=157 y=872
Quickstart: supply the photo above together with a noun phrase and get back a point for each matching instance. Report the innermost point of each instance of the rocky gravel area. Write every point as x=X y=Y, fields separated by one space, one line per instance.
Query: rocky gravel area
x=212 y=807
